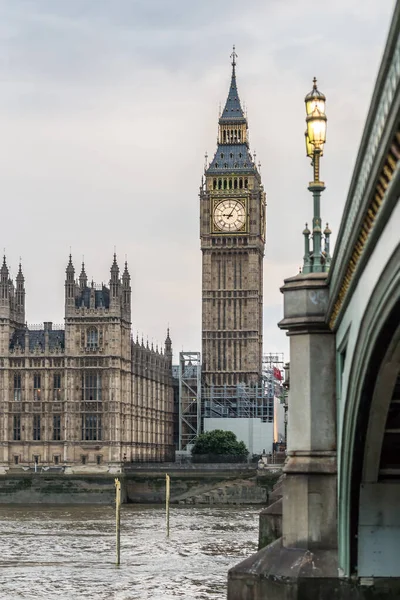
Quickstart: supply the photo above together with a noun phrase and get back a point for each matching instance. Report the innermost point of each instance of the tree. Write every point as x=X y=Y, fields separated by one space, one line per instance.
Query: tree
x=219 y=442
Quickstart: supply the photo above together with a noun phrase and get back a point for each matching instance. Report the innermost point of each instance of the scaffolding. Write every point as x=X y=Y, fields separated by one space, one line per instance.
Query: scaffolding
x=197 y=402
x=244 y=401
x=239 y=401
x=189 y=398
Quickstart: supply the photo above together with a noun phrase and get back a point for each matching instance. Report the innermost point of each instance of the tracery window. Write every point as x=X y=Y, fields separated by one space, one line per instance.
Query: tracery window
x=17 y=428
x=91 y=427
x=92 y=338
x=91 y=386
x=17 y=387
x=36 y=387
x=57 y=387
x=36 y=428
x=56 y=428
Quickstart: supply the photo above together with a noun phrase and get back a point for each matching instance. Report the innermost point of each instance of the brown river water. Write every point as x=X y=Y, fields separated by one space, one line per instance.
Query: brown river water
x=68 y=552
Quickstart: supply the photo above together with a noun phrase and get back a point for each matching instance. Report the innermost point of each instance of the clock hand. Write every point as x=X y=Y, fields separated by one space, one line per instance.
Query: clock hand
x=232 y=210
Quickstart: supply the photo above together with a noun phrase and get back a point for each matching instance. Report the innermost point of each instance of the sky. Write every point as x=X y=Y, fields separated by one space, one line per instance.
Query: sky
x=108 y=108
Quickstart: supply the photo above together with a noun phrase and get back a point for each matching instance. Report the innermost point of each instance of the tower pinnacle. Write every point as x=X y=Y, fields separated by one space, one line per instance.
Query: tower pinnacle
x=234 y=56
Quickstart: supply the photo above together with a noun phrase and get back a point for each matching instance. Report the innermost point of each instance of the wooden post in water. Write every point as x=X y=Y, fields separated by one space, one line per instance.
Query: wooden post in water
x=117 y=520
x=167 y=494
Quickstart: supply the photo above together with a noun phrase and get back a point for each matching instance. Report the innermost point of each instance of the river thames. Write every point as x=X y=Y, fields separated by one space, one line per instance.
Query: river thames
x=68 y=552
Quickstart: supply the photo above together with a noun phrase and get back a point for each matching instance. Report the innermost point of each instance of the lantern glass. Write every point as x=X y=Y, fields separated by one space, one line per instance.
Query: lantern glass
x=313 y=103
x=316 y=129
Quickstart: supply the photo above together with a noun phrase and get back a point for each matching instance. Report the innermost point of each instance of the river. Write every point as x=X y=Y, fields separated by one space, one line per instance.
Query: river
x=68 y=552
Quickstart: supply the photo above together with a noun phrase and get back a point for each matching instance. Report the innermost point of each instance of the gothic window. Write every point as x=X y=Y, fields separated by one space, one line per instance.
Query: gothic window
x=240 y=155
x=91 y=427
x=225 y=184
x=214 y=184
x=17 y=387
x=92 y=338
x=36 y=428
x=225 y=165
x=220 y=184
x=230 y=184
x=91 y=386
x=57 y=387
x=56 y=428
x=240 y=183
x=239 y=135
x=235 y=184
x=36 y=387
x=245 y=183
x=17 y=428
x=222 y=155
x=231 y=155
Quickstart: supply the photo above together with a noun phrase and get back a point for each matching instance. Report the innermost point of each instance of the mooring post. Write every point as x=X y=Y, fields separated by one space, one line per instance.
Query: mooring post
x=167 y=493
x=118 y=519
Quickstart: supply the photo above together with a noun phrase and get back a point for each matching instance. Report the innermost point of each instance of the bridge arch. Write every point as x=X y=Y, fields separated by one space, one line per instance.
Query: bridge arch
x=369 y=531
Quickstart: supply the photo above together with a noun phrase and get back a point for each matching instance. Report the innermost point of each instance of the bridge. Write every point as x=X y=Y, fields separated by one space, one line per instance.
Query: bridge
x=341 y=489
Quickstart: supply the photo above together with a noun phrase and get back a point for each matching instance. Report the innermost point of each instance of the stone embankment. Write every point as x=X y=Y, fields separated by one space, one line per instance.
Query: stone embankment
x=190 y=484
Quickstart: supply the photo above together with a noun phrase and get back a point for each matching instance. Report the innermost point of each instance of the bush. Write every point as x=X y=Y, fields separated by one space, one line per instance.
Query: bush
x=219 y=442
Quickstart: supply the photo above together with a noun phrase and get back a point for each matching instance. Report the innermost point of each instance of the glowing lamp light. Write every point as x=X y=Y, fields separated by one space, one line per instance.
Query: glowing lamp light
x=316 y=120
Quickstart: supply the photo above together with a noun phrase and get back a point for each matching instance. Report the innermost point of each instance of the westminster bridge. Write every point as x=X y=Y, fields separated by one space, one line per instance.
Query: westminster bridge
x=341 y=490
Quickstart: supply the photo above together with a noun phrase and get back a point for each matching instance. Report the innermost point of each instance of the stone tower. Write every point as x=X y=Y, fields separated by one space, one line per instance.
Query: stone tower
x=12 y=304
x=232 y=232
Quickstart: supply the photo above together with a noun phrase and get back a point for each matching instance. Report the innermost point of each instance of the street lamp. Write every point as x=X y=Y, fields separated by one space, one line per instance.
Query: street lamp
x=315 y=261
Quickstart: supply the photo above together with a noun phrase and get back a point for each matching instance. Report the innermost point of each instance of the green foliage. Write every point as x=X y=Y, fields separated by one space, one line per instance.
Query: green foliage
x=219 y=442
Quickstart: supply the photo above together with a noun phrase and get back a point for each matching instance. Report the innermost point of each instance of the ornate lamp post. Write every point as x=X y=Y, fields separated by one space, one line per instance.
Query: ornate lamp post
x=316 y=261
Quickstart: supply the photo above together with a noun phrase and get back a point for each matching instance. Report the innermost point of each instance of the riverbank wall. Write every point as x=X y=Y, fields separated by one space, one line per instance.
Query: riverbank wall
x=190 y=484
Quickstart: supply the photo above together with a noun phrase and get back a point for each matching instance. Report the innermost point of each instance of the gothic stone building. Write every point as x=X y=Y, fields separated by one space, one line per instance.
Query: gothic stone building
x=232 y=232
x=86 y=394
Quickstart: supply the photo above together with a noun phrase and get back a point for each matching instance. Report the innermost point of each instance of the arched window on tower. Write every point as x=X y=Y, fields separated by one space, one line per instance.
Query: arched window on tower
x=235 y=183
x=225 y=184
x=240 y=183
x=230 y=184
x=245 y=183
x=92 y=338
x=214 y=184
x=220 y=184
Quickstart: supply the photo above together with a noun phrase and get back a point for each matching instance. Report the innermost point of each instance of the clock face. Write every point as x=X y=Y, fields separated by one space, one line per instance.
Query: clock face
x=229 y=215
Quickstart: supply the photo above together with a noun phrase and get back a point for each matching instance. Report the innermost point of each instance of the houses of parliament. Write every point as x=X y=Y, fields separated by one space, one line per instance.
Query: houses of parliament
x=86 y=394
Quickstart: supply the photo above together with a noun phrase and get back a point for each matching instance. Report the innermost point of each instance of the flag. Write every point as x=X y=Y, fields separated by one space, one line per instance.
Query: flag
x=277 y=374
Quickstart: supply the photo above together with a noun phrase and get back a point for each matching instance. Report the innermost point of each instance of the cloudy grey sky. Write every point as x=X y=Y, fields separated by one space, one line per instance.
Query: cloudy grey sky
x=108 y=106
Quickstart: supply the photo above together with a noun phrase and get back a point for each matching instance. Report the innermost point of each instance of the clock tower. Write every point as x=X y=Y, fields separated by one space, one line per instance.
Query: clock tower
x=232 y=232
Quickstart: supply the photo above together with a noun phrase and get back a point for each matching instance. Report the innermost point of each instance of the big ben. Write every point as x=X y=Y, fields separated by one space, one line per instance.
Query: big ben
x=232 y=232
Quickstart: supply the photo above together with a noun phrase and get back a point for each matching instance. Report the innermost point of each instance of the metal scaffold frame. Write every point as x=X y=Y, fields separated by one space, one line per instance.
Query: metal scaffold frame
x=243 y=401
x=189 y=398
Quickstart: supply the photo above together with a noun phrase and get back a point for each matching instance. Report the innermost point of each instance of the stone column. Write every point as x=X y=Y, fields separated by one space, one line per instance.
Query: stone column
x=309 y=497
x=303 y=562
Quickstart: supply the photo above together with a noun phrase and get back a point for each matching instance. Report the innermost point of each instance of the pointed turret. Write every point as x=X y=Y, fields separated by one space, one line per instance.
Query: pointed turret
x=126 y=289
x=4 y=273
x=70 y=283
x=4 y=283
x=233 y=110
x=20 y=293
x=232 y=155
x=114 y=280
x=168 y=347
x=83 y=278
